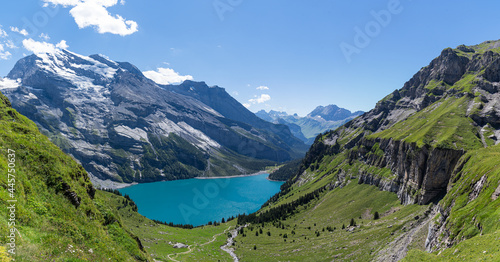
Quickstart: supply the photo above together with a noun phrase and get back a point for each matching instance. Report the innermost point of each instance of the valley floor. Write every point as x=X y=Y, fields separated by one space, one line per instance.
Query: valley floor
x=314 y=233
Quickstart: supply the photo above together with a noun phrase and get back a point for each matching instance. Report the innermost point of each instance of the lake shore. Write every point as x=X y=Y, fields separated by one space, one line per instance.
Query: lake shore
x=272 y=180
x=246 y=175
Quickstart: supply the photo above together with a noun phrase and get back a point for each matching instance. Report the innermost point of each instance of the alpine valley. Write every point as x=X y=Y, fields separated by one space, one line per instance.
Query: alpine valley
x=123 y=127
x=417 y=178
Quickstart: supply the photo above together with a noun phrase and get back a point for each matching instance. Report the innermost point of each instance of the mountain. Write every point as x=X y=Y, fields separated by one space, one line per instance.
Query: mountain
x=318 y=121
x=54 y=211
x=333 y=113
x=123 y=127
x=219 y=100
x=417 y=174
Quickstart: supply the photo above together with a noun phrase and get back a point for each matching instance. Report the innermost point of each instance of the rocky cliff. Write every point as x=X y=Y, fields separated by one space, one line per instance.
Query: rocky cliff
x=420 y=174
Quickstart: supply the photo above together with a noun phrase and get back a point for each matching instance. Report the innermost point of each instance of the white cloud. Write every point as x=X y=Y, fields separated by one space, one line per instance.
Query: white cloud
x=165 y=76
x=4 y=55
x=262 y=88
x=43 y=47
x=3 y=34
x=64 y=3
x=44 y=36
x=22 y=32
x=10 y=44
x=235 y=93
x=62 y=45
x=6 y=83
x=260 y=99
x=257 y=100
x=94 y=13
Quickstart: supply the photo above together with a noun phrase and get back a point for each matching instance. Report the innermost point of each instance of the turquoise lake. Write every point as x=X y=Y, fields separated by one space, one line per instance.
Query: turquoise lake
x=198 y=201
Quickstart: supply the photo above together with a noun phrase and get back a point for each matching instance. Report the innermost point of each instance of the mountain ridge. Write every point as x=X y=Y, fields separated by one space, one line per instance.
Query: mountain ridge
x=321 y=119
x=118 y=123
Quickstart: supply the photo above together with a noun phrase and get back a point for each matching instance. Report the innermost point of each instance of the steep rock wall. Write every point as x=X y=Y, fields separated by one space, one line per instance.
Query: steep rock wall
x=420 y=174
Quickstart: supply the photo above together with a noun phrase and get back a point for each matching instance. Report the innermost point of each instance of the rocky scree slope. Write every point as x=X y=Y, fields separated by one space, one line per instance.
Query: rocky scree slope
x=122 y=126
x=427 y=141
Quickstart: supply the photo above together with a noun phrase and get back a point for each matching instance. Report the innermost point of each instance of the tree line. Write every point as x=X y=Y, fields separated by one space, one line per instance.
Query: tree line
x=280 y=212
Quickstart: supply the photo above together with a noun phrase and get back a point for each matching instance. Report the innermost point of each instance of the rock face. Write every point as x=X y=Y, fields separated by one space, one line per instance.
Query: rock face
x=421 y=174
x=122 y=126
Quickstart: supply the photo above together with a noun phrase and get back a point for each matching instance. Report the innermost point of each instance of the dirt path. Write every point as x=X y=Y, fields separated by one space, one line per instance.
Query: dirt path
x=215 y=237
x=190 y=249
x=227 y=247
x=183 y=253
x=398 y=248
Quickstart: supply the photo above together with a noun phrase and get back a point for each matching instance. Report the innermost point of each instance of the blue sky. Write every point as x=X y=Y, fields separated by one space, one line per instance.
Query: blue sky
x=300 y=54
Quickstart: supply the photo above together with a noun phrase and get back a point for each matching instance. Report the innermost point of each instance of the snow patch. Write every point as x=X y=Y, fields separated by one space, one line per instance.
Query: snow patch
x=136 y=134
x=54 y=63
x=30 y=96
x=98 y=68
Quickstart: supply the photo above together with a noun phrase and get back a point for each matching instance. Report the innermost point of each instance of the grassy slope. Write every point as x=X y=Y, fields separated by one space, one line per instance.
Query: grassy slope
x=156 y=238
x=49 y=225
x=335 y=209
x=443 y=124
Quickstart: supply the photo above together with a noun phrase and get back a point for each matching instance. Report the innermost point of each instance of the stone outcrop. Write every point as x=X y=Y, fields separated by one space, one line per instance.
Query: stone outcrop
x=420 y=174
x=496 y=194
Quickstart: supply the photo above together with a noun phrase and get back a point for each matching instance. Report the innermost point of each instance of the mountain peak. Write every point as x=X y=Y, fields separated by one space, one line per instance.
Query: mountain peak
x=331 y=113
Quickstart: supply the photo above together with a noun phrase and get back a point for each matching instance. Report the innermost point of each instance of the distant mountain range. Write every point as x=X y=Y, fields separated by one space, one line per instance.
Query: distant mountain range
x=124 y=127
x=321 y=119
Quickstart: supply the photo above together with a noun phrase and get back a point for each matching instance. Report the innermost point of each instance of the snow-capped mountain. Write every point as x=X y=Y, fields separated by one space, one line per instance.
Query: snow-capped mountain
x=122 y=126
x=321 y=119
